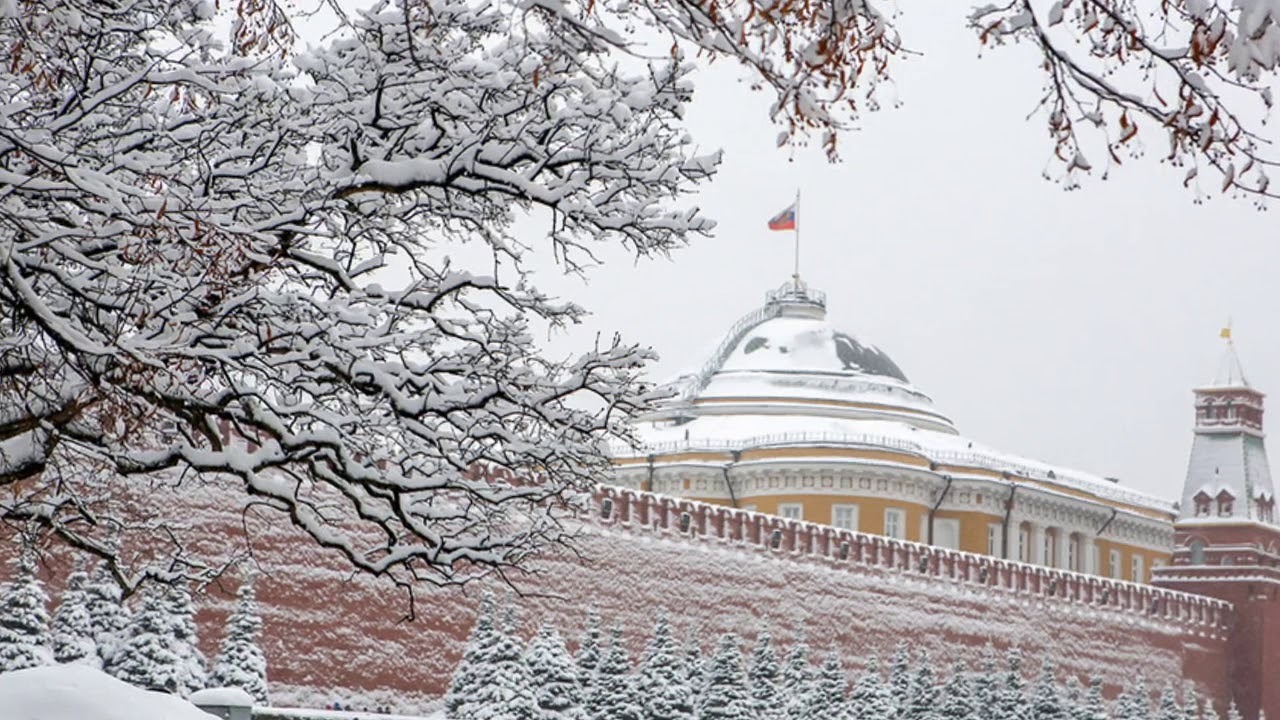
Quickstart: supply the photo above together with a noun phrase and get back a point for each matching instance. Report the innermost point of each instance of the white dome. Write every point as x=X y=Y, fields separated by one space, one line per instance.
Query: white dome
x=785 y=358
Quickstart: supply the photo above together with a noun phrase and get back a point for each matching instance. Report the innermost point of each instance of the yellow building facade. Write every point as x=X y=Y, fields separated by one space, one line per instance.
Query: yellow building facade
x=794 y=418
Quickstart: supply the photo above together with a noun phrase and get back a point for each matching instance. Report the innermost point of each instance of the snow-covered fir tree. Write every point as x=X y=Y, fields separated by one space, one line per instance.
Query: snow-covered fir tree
x=695 y=669
x=589 y=650
x=922 y=701
x=557 y=694
x=1011 y=692
x=1168 y=708
x=1094 y=705
x=726 y=696
x=797 y=682
x=986 y=683
x=662 y=683
x=1233 y=712
x=505 y=690
x=240 y=660
x=24 y=620
x=871 y=698
x=108 y=616
x=827 y=696
x=958 y=701
x=900 y=680
x=1046 y=701
x=1191 y=704
x=1072 y=699
x=73 y=624
x=194 y=674
x=474 y=669
x=150 y=655
x=613 y=694
x=1135 y=702
x=1209 y=712
x=764 y=679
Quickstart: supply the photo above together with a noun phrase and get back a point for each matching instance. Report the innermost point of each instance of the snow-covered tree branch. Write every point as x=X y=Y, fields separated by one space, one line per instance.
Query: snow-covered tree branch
x=1193 y=74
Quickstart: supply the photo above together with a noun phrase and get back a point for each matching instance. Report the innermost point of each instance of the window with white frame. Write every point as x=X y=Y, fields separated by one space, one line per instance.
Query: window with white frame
x=1024 y=544
x=1115 y=571
x=946 y=533
x=750 y=507
x=894 y=521
x=791 y=511
x=1073 y=553
x=1049 y=550
x=1095 y=564
x=844 y=517
x=994 y=535
x=1137 y=571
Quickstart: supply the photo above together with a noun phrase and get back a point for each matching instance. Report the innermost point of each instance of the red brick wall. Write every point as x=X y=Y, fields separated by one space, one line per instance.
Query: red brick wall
x=330 y=636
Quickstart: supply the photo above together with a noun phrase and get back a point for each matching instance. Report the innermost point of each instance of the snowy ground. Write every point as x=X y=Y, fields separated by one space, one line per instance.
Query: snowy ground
x=77 y=692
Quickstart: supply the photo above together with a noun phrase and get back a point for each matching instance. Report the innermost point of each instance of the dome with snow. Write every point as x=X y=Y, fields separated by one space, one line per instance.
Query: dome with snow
x=787 y=358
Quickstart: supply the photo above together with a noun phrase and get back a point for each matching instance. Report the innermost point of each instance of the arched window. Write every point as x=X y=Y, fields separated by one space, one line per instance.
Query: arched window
x=1197 y=552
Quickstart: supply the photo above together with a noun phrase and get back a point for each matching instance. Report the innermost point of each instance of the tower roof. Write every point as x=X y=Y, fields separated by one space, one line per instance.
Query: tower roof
x=1230 y=373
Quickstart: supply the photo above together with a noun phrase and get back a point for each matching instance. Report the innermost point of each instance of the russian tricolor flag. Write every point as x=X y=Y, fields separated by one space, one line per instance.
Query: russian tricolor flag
x=785 y=220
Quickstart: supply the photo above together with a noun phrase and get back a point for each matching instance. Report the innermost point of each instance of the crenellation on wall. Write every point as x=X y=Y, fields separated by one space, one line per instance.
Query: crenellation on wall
x=639 y=511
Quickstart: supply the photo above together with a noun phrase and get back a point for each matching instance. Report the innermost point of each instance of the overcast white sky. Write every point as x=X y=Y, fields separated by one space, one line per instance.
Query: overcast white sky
x=1066 y=326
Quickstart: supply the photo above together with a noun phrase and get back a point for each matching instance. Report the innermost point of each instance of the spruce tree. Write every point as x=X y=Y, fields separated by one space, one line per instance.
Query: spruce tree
x=958 y=701
x=986 y=685
x=557 y=693
x=506 y=691
x=900 y=680
x=240 y=660
x=726 y=696
x=192 y=664
x=1210 y=712
x=828 y=694
x=797 y=681
x=73 y=625
x=1190 y=702
x=25 y=641
x=108 y=616
x=1046 y=704
x=1233 y=712
x=613 y=694
x=1168 y=709
x=150 y=657
x=695 y=670
x=1011 y=693
x=871 y=698
x=474 y=670
x=1093 y=706
x=1072 y=702
x=764 y=678
x=588 y=655
x=922 y=702
x=1136 y=703
x=662 y=683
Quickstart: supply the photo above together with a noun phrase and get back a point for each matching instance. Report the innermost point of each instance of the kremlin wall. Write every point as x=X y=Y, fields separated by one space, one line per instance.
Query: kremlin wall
x=799 y=483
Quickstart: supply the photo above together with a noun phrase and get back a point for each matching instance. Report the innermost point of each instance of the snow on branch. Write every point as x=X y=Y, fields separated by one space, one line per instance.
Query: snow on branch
x=1197 y=72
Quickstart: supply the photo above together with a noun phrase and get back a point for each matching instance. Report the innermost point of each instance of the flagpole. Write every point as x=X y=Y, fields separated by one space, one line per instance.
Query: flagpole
x=796 y=274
